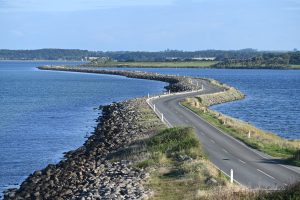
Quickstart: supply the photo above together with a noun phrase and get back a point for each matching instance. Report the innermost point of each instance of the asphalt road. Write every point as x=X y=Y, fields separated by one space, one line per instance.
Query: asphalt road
x=250 y=167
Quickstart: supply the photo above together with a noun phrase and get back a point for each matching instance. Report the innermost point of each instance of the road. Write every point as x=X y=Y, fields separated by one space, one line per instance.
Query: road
x=250 y=167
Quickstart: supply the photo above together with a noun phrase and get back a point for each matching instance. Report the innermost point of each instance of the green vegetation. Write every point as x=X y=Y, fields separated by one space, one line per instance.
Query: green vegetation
x=291 y=192
x=165 y=64
x=245 y=58
x=123 y=56
x=295 y=66
x=44 y=54
x=289 y=150
x=289 y=60
x=179 y=168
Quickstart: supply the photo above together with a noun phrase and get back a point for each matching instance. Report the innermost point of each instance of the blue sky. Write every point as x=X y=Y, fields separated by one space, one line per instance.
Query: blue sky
x=150 y=25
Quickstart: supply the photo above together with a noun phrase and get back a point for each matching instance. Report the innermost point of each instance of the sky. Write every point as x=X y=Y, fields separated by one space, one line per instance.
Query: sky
x=150 y=25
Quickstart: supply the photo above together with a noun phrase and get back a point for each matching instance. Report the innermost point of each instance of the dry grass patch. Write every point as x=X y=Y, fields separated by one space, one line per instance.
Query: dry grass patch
x=264 y=141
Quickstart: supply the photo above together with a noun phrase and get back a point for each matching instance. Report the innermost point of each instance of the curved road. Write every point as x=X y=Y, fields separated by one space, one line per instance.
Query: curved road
x=250 y=167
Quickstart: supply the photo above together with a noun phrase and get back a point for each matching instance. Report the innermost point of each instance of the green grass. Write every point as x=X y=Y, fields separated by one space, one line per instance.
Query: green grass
x=294 y=66
x=166 y=64
x=268 y=143
x=181 y=165
x=175 y=142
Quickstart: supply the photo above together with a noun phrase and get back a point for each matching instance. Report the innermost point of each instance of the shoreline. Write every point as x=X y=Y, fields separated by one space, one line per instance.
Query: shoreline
x=93 y=151
x=109 y=135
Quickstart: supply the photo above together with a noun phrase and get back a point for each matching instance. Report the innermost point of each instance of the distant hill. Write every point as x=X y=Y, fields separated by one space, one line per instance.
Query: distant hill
x=76 y=54
x=44 y=54
x=245 y=58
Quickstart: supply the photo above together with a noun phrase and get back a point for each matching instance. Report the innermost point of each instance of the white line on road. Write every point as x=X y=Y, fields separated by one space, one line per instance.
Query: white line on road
x=242 y=161
x=212 y=141
x=266 y=174
x=243 y=144
x=225 y=150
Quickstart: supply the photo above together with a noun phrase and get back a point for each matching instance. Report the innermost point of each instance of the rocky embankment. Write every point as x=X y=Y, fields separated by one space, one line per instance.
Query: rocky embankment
x=88 y=173
x=176 y=83
x=227 y=95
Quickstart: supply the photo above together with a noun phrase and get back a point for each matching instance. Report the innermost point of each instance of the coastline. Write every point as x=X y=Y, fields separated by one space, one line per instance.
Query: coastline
x=107 y=138
x=119 y=125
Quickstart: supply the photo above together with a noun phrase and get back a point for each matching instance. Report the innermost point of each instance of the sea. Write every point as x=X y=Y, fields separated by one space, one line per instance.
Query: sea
x=46 y=113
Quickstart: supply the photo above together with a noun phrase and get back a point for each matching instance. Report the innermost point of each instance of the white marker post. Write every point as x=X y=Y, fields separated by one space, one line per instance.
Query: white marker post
x=169 y=91
x=197 y=84
x=154 y=107
x=231 y=175
x=202 y=87
x=249 y=134
x=162 y=117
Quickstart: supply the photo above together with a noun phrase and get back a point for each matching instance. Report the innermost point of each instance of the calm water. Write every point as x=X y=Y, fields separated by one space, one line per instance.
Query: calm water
x=273 y=96
x=45 y=113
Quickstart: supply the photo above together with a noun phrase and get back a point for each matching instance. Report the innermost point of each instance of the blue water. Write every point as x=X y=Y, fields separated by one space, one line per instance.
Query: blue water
x=273 y=96
x=46 y=113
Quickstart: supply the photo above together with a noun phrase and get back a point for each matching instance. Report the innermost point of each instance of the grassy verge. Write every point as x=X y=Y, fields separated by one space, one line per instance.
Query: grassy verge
x=166 y=64
x=287 y=150
x=180 y=170
x=178 y=165
x=294 y=66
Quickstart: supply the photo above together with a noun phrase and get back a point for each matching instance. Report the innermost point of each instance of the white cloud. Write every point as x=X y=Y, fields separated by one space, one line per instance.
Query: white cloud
x=74 y=5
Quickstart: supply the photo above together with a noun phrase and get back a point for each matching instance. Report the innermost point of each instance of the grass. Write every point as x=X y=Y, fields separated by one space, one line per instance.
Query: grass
x=294 y=66
x=286 y=150
x=179 y=167
x=166 y=64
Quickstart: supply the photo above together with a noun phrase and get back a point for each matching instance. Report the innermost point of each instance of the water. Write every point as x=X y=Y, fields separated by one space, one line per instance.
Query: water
x=273 y=96
x=46 y=113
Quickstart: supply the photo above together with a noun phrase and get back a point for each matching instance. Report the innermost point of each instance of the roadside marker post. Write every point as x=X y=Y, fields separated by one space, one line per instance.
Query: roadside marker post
x=154 y=107
x=249 y=134
x=231 y=175
x=202 y=87
x=162 y=117
x=169 y=91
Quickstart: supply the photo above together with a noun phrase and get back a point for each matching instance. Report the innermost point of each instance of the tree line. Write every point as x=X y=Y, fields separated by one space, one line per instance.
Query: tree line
x=266 y=60
x=231 y=58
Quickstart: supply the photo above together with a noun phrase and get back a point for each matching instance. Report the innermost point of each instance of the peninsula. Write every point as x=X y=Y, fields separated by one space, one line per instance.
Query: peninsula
x=139 y=151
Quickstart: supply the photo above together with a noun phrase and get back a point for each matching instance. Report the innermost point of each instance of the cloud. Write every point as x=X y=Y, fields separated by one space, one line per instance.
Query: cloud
x=74 y=5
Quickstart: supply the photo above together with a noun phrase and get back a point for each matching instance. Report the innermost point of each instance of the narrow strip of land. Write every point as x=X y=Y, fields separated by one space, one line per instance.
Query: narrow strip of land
x=251 y=168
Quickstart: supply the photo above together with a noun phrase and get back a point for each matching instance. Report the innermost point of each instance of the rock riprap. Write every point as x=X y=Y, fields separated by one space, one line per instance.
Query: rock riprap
x=176 y=83
x=88 y=173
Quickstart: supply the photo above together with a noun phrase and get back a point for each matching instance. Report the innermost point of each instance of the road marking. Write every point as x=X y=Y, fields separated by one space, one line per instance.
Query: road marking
x=225 y=150
x=242 y=161
x=240 y=142
x=212 y=141
x=266 y=174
